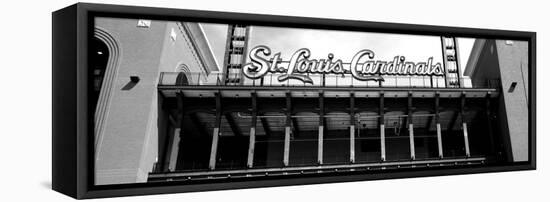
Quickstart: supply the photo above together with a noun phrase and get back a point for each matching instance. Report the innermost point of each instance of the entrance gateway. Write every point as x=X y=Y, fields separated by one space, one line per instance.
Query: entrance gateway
x=270 y=130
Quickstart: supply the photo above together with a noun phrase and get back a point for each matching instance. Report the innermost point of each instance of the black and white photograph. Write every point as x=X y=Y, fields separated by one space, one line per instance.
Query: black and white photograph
x=193 y=101
x=274 y=101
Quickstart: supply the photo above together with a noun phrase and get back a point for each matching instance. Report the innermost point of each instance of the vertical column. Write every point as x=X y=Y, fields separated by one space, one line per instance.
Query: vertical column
x=214 y=148
x=466 y=142
x=287 y=130
x=320 y=145
x=252 y=138
x=352 y=144
x=439 y=142
x=464 y=124
x=287 y=146
x=382 y=128
x=352 y=128
x=172 y=157
x=411 y=127
x=411 y=141
x=216 y=133
x=321 y=128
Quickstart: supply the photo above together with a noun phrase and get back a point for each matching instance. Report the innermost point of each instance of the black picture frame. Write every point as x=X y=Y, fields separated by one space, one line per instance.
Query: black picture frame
x=72 y=161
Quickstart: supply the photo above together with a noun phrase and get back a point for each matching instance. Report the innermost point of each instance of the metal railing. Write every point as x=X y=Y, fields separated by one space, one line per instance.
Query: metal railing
x=319 y=80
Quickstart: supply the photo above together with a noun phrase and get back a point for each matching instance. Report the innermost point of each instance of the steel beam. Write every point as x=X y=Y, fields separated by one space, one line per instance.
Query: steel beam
x=438 y=125
x=172 y=157
x=439 y=142
x=466 y=142
x=252 y=135
x=321 y=128
x=320 y=146
x=174 y=151
x=411 y=127
x=352 y=128
x=214 y=148
x=288 y=113
x=286 y=146
x=382 y=128
x=464 y=124
x=216 y=132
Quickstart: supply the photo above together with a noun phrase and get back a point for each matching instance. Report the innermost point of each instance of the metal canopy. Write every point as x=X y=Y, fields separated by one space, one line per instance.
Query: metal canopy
x=205 y=91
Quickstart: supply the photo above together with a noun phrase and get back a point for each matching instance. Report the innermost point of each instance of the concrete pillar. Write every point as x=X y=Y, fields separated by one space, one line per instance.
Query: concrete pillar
x=214 y=149
x=382 y=128
x=174 y=150
x=466 y=142
x=320 y=146
x=411 y=140
x=251 y=144
x=252 y=138
x=382 y=143
x=352 y=128
x=352 y=144
x=439 y=143
x=287 y=146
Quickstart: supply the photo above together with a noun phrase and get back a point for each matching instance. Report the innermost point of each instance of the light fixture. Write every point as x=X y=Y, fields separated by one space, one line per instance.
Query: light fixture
x=173 y=35
x=512 y=87
x=134 y=79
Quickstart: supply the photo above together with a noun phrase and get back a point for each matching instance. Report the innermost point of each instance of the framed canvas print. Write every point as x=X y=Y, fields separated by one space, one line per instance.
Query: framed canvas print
x=155 y=100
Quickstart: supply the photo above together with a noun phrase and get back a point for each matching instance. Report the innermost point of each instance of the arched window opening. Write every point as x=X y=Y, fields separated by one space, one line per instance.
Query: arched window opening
x=181 y=79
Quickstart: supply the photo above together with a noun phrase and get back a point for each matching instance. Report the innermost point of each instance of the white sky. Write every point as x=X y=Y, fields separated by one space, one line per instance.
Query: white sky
x=217 y=35
x=465 y=46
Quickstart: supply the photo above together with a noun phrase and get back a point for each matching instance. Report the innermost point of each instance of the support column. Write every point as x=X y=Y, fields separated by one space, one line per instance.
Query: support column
x=216 y=133
x=438 y=125
x=439 y=143
x=172 y=157
x=174 y=150
x=320 y=146
x=352 y=128
x=252 y=138
x=287 y=145
x=214 y=148
x=287 y=130
x=382 y=143
x=411 y=141
x=411 y=127
x=466 y=142
x=382 y=128
x=352 y=144
x=321 y=128
x=464 y=124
